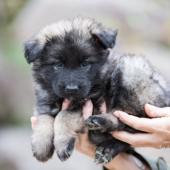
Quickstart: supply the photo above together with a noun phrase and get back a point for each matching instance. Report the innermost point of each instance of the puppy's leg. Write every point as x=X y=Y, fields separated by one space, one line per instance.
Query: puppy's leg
x=107 y=147
x=107 y=150
x=104 y=122
x=42 y=138
x=66 y=126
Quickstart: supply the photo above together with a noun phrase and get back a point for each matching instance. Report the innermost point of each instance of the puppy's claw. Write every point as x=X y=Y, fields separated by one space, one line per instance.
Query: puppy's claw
x=65 y=150
x=63 y=156
x=96 y=123
x=102 y=155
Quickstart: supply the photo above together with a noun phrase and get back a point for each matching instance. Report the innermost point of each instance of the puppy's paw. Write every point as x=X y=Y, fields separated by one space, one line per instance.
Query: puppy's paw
x=42 y=148
x=104 y=122
x=42 y=138
x=66 y=126
x=103 y=155
x=107 y=150
x=97 y=123
x=64 y=148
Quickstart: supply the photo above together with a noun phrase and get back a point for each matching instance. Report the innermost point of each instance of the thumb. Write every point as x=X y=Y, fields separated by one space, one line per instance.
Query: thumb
x=154 y=112
x=33 y=122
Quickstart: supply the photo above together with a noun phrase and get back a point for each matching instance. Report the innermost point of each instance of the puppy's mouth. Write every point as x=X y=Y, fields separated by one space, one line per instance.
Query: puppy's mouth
x=75 y=96
x=72 y=92
x=72 y=96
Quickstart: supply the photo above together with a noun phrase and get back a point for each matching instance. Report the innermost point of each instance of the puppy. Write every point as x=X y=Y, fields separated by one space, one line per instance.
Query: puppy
x=74 y=59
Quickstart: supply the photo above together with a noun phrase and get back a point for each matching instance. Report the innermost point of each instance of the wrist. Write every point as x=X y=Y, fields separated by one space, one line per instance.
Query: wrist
x=129 y=161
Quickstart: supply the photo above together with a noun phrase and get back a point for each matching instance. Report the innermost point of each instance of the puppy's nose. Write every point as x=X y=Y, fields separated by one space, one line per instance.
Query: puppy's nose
x=71 y=88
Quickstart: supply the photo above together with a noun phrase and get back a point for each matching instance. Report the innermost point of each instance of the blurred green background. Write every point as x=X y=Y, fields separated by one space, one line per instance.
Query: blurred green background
x=144 y=28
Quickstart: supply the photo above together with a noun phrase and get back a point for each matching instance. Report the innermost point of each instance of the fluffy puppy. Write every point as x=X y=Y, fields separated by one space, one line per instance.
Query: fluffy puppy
x=74 y=59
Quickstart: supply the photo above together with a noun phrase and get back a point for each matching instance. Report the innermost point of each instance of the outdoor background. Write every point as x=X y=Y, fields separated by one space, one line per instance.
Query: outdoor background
x=144 y=28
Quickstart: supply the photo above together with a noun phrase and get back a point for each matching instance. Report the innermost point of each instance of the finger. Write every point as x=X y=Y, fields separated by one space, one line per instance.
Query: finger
x=103 y=107
x=154 y=111
x=136 y=140
x=33 y=122
x=143 y=124
x=165 y=145
x=84 y=146
x=65 y=104
x=87 y=109
x=82 y=138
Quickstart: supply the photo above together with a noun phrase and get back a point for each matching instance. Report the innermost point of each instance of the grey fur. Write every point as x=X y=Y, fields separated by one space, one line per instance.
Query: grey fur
x=42 y=138
x=66 y=128
x=125 y=81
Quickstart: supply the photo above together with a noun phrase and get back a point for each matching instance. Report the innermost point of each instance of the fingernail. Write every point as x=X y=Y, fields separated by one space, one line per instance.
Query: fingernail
x=116 y=113
x=152 y=109
x=66 y=101
x=119 y=113
x=114 y=134
x=88 y=103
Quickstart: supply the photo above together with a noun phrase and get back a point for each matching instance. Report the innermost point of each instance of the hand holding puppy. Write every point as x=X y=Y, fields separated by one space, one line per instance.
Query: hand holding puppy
x=157 y=128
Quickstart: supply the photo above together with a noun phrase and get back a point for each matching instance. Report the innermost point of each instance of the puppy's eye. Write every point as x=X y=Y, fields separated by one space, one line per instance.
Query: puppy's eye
x=85 y=64
x=58 y=66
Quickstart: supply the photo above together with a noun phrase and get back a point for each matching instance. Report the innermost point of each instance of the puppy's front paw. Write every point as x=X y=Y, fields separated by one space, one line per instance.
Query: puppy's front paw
x=97 y=123
x=66 y=126
x=42 y=138
x=104 y=122
x=64 y=147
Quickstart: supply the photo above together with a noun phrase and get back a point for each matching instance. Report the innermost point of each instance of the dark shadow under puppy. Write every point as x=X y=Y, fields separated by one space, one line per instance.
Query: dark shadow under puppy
x=74 y=59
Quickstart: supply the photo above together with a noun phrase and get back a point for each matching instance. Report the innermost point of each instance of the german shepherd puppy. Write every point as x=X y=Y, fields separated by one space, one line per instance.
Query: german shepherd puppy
x=74 y=59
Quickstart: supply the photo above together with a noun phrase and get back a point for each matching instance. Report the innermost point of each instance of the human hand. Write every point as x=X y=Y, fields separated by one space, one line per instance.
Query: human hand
x=157 y=128
x=85 y=147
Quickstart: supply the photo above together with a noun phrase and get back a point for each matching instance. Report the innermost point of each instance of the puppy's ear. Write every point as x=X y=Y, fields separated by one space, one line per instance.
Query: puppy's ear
x=106 y=38
x=33 y=50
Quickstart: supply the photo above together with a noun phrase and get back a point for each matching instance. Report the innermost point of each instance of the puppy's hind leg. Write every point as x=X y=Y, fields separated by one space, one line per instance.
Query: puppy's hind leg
x=107 y=150
x=66 y=126
x=42 y=138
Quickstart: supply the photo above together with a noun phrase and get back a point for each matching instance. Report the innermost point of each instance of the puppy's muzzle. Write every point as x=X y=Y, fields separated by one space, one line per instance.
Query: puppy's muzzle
x=72 y=89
